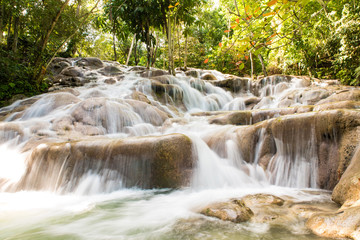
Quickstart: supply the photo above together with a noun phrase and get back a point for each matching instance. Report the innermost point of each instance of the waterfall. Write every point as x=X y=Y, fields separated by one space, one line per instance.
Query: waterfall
x=69 y=141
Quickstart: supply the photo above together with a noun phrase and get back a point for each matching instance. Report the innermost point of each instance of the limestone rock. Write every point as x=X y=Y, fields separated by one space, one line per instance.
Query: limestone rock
x=342 y=224
x=146 y=162
x=234 y=211
x=233 y=117
x=337 y=105
x=72 y=72
x=208 y=76
x=110 y=71
x=347 y=95
x=262 y=199
x=348 y=188
x=90 y=62
x=154 y=73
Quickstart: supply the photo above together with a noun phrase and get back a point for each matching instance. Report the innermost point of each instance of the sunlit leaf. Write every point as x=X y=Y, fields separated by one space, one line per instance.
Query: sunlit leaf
x=272 y=3
x=206 y=60
x=269 y=43
x=233 y=26
x=239 y=62
x=246 y=58
x=273 y=35
x=226 y=31
x=257 y=10
x=176 y=4
x=220 y=44
x=269 y=14
x=171 y=6
x=237 y=20
x=241 y=66
x=248 y=17
x=285 y=1
x=246 y=9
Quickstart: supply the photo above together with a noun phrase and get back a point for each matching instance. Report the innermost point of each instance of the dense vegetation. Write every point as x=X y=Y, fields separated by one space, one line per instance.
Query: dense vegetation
x=320 y=38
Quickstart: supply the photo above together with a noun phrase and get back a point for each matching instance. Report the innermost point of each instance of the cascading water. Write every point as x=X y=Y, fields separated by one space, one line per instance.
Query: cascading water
x=62 y=168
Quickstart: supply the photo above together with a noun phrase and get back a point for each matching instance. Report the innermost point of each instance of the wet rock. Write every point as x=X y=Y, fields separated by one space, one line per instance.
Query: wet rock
x=347 y=95
x=233 y=117
x=90 y=62
x=63 y=124
x=110 y=81
x=273 y=80
x=137 y=68
x=234 y=211
x=164 y=79
x=261 y=115
x=110 y=71
x=234 y=84
x=154 y=73
x=72 y=72
x=342 y=224
x=250 y=102
x=146 y=162
x=148 y=113
x=338 y=105
x=208 y=76
x=10 y=131
x=193 y=73
x=313 y=96
x=262 y=199
x=139 y=96
x=167 y=91
x=348 y=189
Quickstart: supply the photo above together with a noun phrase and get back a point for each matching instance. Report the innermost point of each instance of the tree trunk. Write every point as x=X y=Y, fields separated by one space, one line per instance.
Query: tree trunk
x=171 y=67
x=114 y=46
x=1 y=20
x=148 y=45
x=78 y=8
x=262 y=64
x=135 y=53
x=252 y=66
x=16 y=34
x=131 y=47
x=186 y=52
x=112 y=20
x=9 y=32
x=178 y=35
x=155 y=52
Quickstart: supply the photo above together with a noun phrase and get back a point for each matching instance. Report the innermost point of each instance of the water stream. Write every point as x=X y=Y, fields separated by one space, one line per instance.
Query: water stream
x=99 y=205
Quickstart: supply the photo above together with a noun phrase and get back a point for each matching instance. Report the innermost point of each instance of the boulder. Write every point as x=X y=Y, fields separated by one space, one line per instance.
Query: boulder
x=341 y=224
x=348 y=189
x=9 y=131
x=110 y=81
x=337 y=105
x=154 y=73
x=110 y=71
x=262 y=199
x=145 y=162
x=347 y=95
x=313 y=96
x=72 y=72
x=208 y=76
x=235 y=211
x=234 y=84
x=193 y=73
x=90 y=62
x=233 y=117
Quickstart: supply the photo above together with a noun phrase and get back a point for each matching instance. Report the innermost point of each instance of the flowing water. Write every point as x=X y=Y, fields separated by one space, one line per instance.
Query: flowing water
x=98 y=205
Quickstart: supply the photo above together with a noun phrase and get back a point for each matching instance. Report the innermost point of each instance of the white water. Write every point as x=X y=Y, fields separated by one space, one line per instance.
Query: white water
x=101 y=209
